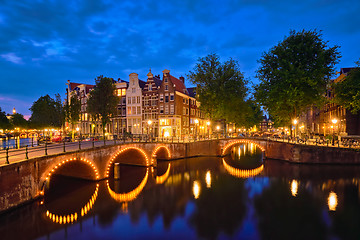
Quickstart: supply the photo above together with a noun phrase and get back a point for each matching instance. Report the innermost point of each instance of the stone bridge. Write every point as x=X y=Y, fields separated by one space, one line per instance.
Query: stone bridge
x=24 y=181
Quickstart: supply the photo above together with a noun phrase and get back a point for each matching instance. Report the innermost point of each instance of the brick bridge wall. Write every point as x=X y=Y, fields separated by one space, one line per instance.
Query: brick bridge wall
x=23 y=181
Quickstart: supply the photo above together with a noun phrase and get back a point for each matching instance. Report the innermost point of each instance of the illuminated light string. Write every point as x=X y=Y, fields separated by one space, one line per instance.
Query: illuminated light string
x=129 y=196
x=242 y=173
x=241 y=141
x=71 y=160
x=121 y=151
x=73 y=217
x=157 y=149
x=161 y=179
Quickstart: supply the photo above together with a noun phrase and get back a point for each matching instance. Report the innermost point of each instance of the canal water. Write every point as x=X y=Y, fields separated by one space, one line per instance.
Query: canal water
x=240 y=196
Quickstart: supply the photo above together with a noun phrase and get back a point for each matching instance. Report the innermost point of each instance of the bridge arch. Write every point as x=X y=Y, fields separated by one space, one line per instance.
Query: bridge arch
x=128 y=196
x=46 y=176
x=142 y=152
x=231 y=143
x=159 y=148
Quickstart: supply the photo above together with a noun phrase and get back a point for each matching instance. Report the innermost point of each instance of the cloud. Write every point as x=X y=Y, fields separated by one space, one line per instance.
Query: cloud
x=11 y=57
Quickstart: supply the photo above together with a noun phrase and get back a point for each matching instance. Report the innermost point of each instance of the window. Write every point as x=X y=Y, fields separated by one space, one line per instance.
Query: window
x=161 y=97
x=153 y=101
x=133 y=100
x=138 y=99
x=171 y=97
x=172 y=109
x=184 y=100
x=133 y=90
x=184 y=110
x=150 y=87
x=146 y=101
x=138 y=110
x=166 y=80
x=187 y=111
x=166 y=109
x=133 y=110
x=129 y=100
x=166 y=98
x=161 y=109
x=166 y=87
x=129 y=111
x=123 y=100
x=123 y=92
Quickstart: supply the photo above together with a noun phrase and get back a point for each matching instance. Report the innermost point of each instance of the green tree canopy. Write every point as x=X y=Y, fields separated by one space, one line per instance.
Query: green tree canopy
x=221 y=89
x=17 y=120
x=4 y=121
x=294 y=74
x=45 y=112
x=72 y=110
x=102 y=101
x=347 y=91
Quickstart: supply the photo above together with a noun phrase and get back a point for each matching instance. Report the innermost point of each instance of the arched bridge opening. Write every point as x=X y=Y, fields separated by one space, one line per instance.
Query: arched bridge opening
x=79 y=168
x=160 y=153
x=128 y=156
x=227 y=148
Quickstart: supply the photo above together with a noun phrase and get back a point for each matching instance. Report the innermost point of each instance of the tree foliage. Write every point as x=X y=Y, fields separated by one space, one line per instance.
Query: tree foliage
x=294 y=74
x=102 y=101
x=221 y=89
x=17 y=120
x=4 y=121
x=72 y=110
x=347 y=92
x=46 y=112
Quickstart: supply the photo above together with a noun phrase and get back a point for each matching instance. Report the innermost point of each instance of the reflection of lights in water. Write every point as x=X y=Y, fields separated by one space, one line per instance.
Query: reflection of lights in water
x=208 y=179
x=252 y=149
x=239 y=151
x=294 y=188
x=161 y=179
x=70 y=218
x=196 y=189
x=244 y=149
x=242 y=173
x=332 y=201
x=127 y=197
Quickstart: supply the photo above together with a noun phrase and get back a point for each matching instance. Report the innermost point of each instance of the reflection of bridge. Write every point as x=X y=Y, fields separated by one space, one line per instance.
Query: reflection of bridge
x=23 y=181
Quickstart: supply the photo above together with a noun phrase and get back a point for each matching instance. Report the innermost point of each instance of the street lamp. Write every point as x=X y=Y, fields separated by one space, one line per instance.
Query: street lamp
x=196 y=123
x=295 y=122
x=149 y=125
x=334 y=121
x=208 y=128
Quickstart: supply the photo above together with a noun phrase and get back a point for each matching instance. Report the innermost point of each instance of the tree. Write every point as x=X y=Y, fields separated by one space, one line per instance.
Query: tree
x=102 y=101
x=4 y=121
x=72 y=111
x=45 y=113
x=18 y=120
x=221 y=88
x=294 y=74
x=347 y=92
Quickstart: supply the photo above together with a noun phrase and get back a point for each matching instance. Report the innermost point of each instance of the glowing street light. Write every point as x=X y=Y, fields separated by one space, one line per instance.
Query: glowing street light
x=334 y=121
x=149 y=122
x=295 y=121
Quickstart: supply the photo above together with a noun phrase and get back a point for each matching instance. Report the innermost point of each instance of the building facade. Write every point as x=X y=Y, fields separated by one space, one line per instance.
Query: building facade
x=134 y=104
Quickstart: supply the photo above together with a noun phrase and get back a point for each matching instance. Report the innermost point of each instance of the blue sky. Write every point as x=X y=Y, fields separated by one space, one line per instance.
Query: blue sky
x=45 y=43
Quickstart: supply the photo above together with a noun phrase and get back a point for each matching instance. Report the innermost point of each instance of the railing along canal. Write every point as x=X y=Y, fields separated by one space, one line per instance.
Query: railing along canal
x=8 y=155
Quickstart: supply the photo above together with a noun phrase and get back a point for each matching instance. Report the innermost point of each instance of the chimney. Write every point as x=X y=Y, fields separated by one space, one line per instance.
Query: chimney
x=182 y=79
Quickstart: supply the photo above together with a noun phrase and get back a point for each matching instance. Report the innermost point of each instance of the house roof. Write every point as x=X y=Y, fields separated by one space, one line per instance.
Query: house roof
x=73 y=85
x=179 y=85
x=345 y=70
x=157 y=81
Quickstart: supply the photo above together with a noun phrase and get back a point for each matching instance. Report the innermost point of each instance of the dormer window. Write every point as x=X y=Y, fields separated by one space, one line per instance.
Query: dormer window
x=166 y=80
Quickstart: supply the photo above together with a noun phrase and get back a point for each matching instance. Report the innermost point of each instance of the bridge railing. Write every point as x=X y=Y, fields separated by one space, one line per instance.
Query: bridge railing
x=47 y=148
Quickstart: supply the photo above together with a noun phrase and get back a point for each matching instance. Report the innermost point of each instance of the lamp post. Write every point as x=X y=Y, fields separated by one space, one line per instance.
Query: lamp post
x=334 y=121
x=196 y=123
x=149 y=125
x=208 y=128
x=295 y=122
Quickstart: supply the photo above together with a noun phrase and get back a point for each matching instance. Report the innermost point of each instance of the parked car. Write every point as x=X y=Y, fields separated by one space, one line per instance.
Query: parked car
x=56 y=139
x=67 y=139
x=92 y=139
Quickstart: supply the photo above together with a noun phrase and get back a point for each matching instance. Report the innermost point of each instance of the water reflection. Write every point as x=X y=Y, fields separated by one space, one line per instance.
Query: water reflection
x=199 y=198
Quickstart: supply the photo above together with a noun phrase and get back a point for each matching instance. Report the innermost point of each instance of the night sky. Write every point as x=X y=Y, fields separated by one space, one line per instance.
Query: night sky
x=45 y=43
